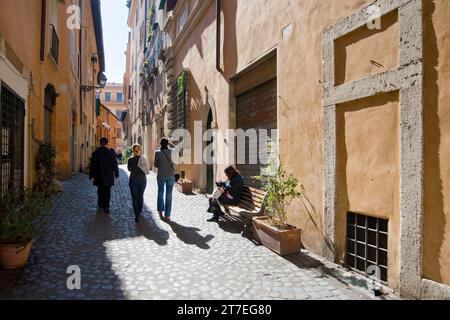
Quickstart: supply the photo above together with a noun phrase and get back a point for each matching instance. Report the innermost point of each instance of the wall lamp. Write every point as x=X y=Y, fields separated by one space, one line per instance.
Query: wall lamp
x=101 y=83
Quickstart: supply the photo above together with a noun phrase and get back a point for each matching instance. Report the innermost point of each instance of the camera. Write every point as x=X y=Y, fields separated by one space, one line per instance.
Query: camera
x=220 y=184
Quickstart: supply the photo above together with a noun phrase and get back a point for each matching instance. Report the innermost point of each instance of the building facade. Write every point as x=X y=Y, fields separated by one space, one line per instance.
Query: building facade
x=356 y=94
x=109 y=126
x=49 y=70
x=113 y=98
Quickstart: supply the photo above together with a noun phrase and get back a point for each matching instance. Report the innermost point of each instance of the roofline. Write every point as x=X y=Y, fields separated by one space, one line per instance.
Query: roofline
x=97 y=17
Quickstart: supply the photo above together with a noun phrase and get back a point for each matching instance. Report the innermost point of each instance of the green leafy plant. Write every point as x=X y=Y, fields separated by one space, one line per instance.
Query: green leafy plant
x=128 y=154
x=282 y=188
x=44 y=163
x=22 y=216
x=181 y=85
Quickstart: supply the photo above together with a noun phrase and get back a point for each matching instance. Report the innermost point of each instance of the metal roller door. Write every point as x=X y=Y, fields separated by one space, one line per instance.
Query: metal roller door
x=256 y=109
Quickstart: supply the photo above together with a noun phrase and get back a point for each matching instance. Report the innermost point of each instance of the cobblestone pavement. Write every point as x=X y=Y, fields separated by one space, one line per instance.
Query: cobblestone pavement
x=187 y=259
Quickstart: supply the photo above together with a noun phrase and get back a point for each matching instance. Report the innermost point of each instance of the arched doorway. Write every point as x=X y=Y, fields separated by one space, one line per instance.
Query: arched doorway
x=49 y=107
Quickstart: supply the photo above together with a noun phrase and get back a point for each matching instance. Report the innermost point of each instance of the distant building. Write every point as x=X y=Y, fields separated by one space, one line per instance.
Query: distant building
x=109 y=126
x=113 y=98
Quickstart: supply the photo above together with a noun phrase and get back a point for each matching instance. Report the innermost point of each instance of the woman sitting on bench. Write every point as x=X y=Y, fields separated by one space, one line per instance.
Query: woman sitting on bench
x=230 y=193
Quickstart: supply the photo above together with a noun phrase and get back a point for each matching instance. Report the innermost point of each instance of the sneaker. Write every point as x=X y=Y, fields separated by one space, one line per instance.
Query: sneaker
x=167 y=219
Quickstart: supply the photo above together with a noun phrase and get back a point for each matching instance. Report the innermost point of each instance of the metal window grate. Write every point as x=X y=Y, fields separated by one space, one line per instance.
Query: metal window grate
x=367 y=244
x=12 y=115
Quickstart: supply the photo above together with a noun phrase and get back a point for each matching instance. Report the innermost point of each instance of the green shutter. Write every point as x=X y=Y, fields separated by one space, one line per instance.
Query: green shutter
x=162 y=4
x=97 y=107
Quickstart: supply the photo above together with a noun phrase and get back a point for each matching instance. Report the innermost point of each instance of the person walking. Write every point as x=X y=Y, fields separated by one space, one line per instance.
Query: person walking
x=139 y=169
x=103 y=169
x=166 y=179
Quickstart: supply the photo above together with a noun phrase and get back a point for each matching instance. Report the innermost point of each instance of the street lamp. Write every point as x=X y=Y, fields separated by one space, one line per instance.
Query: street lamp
x=101 y=79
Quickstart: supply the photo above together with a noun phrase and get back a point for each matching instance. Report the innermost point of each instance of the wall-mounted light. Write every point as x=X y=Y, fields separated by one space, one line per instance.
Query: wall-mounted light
x=101 y=80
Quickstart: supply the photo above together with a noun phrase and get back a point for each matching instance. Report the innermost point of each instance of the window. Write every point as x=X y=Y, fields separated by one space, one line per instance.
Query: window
x=119 y=114
x=107 y=96
x=118 y=133
x=367 y=244
x=12 y=132
x=119 y=96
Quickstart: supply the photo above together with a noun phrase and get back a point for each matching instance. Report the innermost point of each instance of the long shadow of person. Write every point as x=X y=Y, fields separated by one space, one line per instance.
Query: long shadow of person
x=150 y=230
x=191 y=236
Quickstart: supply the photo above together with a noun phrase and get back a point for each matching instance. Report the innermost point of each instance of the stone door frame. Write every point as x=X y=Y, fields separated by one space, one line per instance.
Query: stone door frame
x=407 y=78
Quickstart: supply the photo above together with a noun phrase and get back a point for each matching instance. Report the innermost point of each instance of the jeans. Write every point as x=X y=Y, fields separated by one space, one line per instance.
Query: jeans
x=104 y=196
x=167 y=183
x=137 y=188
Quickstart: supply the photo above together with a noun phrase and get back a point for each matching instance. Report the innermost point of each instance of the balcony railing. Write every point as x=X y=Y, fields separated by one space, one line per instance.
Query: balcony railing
x=54 y=45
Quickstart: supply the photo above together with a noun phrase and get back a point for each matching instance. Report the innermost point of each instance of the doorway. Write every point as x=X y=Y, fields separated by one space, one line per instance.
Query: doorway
x=210 y=164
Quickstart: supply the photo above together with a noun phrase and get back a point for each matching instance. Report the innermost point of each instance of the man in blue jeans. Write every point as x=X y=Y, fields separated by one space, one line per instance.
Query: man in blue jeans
x=166 y=179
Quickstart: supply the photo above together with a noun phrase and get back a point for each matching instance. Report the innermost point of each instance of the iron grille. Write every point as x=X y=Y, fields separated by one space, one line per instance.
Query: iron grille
x=12 y=113
x=54 y=49
x=367 y=244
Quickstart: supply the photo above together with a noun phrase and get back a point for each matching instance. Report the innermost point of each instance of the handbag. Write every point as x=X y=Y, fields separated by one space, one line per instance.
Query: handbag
x=177 y=176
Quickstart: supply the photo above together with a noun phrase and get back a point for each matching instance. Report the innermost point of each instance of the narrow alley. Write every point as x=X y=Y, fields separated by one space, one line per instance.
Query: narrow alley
x=186 y=259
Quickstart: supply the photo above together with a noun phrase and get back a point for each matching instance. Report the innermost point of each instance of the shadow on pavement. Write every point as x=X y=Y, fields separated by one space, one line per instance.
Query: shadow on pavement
x=191 y=235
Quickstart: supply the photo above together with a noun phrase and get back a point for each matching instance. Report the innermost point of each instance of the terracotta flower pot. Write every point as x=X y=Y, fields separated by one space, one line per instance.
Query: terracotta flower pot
x=283 y=242
x=14 y=256
x=185 y=187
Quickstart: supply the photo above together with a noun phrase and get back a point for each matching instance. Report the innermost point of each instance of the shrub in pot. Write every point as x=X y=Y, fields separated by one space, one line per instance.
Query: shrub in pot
x=273 y=229
x=22 y=215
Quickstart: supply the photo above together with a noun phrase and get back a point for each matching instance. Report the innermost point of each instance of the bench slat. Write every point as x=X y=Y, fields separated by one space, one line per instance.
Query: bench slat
x=249 y=205
x=253 y=196
x=257 y=191
x=252 y=199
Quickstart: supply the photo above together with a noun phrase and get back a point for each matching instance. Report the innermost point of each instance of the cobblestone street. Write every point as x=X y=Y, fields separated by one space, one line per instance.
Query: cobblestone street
x=187 y=259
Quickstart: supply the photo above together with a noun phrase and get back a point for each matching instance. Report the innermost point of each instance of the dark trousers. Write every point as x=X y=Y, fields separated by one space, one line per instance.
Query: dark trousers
x=215 y=207
x=104 y=196
x=137 y=188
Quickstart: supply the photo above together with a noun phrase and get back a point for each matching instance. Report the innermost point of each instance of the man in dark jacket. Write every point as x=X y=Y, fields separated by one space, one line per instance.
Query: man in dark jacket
x=102 y=171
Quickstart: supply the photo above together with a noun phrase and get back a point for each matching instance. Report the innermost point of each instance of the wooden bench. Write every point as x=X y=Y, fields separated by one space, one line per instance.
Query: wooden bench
x=252 y=204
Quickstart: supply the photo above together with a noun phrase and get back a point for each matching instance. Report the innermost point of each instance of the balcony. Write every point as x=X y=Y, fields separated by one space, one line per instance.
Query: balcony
x=54 y=44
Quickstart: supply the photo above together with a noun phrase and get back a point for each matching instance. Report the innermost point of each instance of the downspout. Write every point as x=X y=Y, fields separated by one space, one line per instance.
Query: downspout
x=81 y=65
x=218 y=33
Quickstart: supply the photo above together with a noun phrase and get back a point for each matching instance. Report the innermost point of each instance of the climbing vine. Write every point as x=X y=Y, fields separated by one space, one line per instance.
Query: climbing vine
x=181 y=85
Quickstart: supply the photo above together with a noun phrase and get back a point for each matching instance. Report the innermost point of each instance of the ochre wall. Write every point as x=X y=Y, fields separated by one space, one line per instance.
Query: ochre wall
x=436 y=252
x=26 y=43
x=246 y=36
x=368 y=166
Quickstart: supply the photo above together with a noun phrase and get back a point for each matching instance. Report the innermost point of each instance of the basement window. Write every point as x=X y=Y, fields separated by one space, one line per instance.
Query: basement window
x=367 y=244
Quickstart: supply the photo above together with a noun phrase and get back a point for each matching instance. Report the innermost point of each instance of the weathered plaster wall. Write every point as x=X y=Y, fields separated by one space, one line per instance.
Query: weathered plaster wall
x=367 y=52
x=436 y=251
x=247 y=36
x=368 y=162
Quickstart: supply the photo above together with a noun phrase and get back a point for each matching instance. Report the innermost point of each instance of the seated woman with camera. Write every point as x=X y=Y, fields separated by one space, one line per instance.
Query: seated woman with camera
x=229 y=193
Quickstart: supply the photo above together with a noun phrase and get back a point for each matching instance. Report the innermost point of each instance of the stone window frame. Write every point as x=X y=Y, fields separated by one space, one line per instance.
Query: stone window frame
x=407 y=78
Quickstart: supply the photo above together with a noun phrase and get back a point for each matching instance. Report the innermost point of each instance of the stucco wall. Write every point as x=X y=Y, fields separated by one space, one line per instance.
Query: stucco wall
x=436 y=251
x=247 y=36
x=25 y=42
x=368 y=162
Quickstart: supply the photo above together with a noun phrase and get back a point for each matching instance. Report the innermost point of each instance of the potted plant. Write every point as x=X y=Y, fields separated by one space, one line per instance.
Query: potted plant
x=273 y=230
x=22 y=215
x=185 y=186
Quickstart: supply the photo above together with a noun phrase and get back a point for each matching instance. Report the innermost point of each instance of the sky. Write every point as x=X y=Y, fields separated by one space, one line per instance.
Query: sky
x=115 y=37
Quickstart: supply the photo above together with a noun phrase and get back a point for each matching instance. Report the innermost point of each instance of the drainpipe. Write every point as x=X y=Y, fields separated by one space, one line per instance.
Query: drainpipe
x=218 y=32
